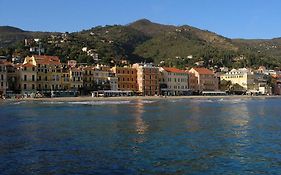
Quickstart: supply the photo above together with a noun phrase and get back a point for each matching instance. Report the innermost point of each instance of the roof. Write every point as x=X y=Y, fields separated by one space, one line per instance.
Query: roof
x=54 y=58
x=89 y=68
x=202 y=70
x=173 y=70
x=45 y=59
x=28 y=65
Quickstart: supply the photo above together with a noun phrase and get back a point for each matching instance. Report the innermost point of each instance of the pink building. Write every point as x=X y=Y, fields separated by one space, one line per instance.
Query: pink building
x=207 y=80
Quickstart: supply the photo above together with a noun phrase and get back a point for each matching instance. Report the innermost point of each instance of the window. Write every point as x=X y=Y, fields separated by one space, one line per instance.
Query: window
x=33 y=78
x=2 y=84
x=24 y=86
x=33 y=86
x=25 y=77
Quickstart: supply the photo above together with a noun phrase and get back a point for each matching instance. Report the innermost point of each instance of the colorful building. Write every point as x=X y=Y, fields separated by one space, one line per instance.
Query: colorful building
x=75 y=78
x=28 y=78
x=3 y=79
x=175 y=80
x=147 y=79
x=193 y=83
x=206 y=79
x=49 y=71
x=244 y=77
x=127 y=78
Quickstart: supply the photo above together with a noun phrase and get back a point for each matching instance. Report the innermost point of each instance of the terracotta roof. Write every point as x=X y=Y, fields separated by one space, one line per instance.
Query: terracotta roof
x=28 y=65
x=53 y=58
x=202 y=70
x=44 y=59
x=89 y=68
x=173 y=70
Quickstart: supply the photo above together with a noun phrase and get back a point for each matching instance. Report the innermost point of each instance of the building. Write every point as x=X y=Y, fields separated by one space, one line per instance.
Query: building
x=193 y=83
x=27 y=78
x=75 y=78
x=244 y=77
x=3 y=79
x=12 y=78
x=205 y=78
x=127 y=78
x=113 y=81
x=65 y=78
x=49 y=72
x=147 y=79
x=96 y=78
x=175 y=80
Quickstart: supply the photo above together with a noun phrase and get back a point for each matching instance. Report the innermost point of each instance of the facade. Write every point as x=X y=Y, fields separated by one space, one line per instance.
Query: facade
x=175 y=80
x=127 y=78
x=49 y=71
x=96 y=78
x=147 y=79
x=206 y=79
x=113 y=81
x=243 y=77
x=193 y=82
x=3 y=79
x=28 y=78
x=75 y=78
x=12 y=78
x=65 y=79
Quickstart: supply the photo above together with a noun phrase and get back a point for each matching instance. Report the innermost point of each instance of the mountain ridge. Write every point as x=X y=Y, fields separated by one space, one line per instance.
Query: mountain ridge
x=145 y=40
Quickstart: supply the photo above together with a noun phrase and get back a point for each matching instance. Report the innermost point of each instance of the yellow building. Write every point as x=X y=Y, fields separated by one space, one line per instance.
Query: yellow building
x=27 y=78
x=127 y=78
x=243 y=77
x=148 y=77
x=76 y=78
x=65 y=79
x=49 y=71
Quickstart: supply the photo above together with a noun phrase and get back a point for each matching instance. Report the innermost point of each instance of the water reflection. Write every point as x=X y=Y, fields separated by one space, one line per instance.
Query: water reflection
x=141 y=126
x=192 y=122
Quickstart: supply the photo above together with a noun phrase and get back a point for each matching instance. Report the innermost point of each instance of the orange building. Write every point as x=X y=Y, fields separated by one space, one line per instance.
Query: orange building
x=127 y=78
x=148 y=77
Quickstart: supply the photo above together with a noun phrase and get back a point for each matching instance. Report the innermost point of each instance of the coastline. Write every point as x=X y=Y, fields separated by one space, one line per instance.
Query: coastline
x=89 y=98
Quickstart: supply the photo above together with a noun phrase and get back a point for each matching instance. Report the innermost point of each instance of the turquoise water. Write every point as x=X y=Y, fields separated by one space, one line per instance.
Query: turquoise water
x=213 y=136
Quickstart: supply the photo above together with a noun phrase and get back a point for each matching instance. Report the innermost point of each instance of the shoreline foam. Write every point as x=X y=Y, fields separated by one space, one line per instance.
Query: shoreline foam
x=88 y=98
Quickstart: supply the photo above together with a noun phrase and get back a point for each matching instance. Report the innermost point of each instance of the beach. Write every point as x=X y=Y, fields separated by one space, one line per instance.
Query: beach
x=89 y=98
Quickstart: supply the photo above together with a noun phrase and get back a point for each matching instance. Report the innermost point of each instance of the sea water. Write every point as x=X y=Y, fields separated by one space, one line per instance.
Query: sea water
x=185 y=136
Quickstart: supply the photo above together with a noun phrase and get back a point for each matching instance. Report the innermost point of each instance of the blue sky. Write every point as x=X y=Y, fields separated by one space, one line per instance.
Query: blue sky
x=230 y=18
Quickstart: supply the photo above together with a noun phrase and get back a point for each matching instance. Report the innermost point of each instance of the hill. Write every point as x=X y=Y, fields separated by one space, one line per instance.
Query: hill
x=10 y=35
x=144 y=40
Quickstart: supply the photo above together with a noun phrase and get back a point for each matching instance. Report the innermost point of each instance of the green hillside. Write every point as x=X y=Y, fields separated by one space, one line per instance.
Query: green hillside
x=144 y=40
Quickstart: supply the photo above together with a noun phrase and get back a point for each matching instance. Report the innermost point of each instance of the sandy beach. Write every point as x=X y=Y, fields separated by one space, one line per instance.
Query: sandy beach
x=89 y=98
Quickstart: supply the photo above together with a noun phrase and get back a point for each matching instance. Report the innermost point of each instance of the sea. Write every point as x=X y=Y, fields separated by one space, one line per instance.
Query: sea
x=167 y=136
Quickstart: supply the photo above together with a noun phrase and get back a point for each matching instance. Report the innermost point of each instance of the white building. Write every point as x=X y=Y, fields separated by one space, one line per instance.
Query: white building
x=175 y=81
